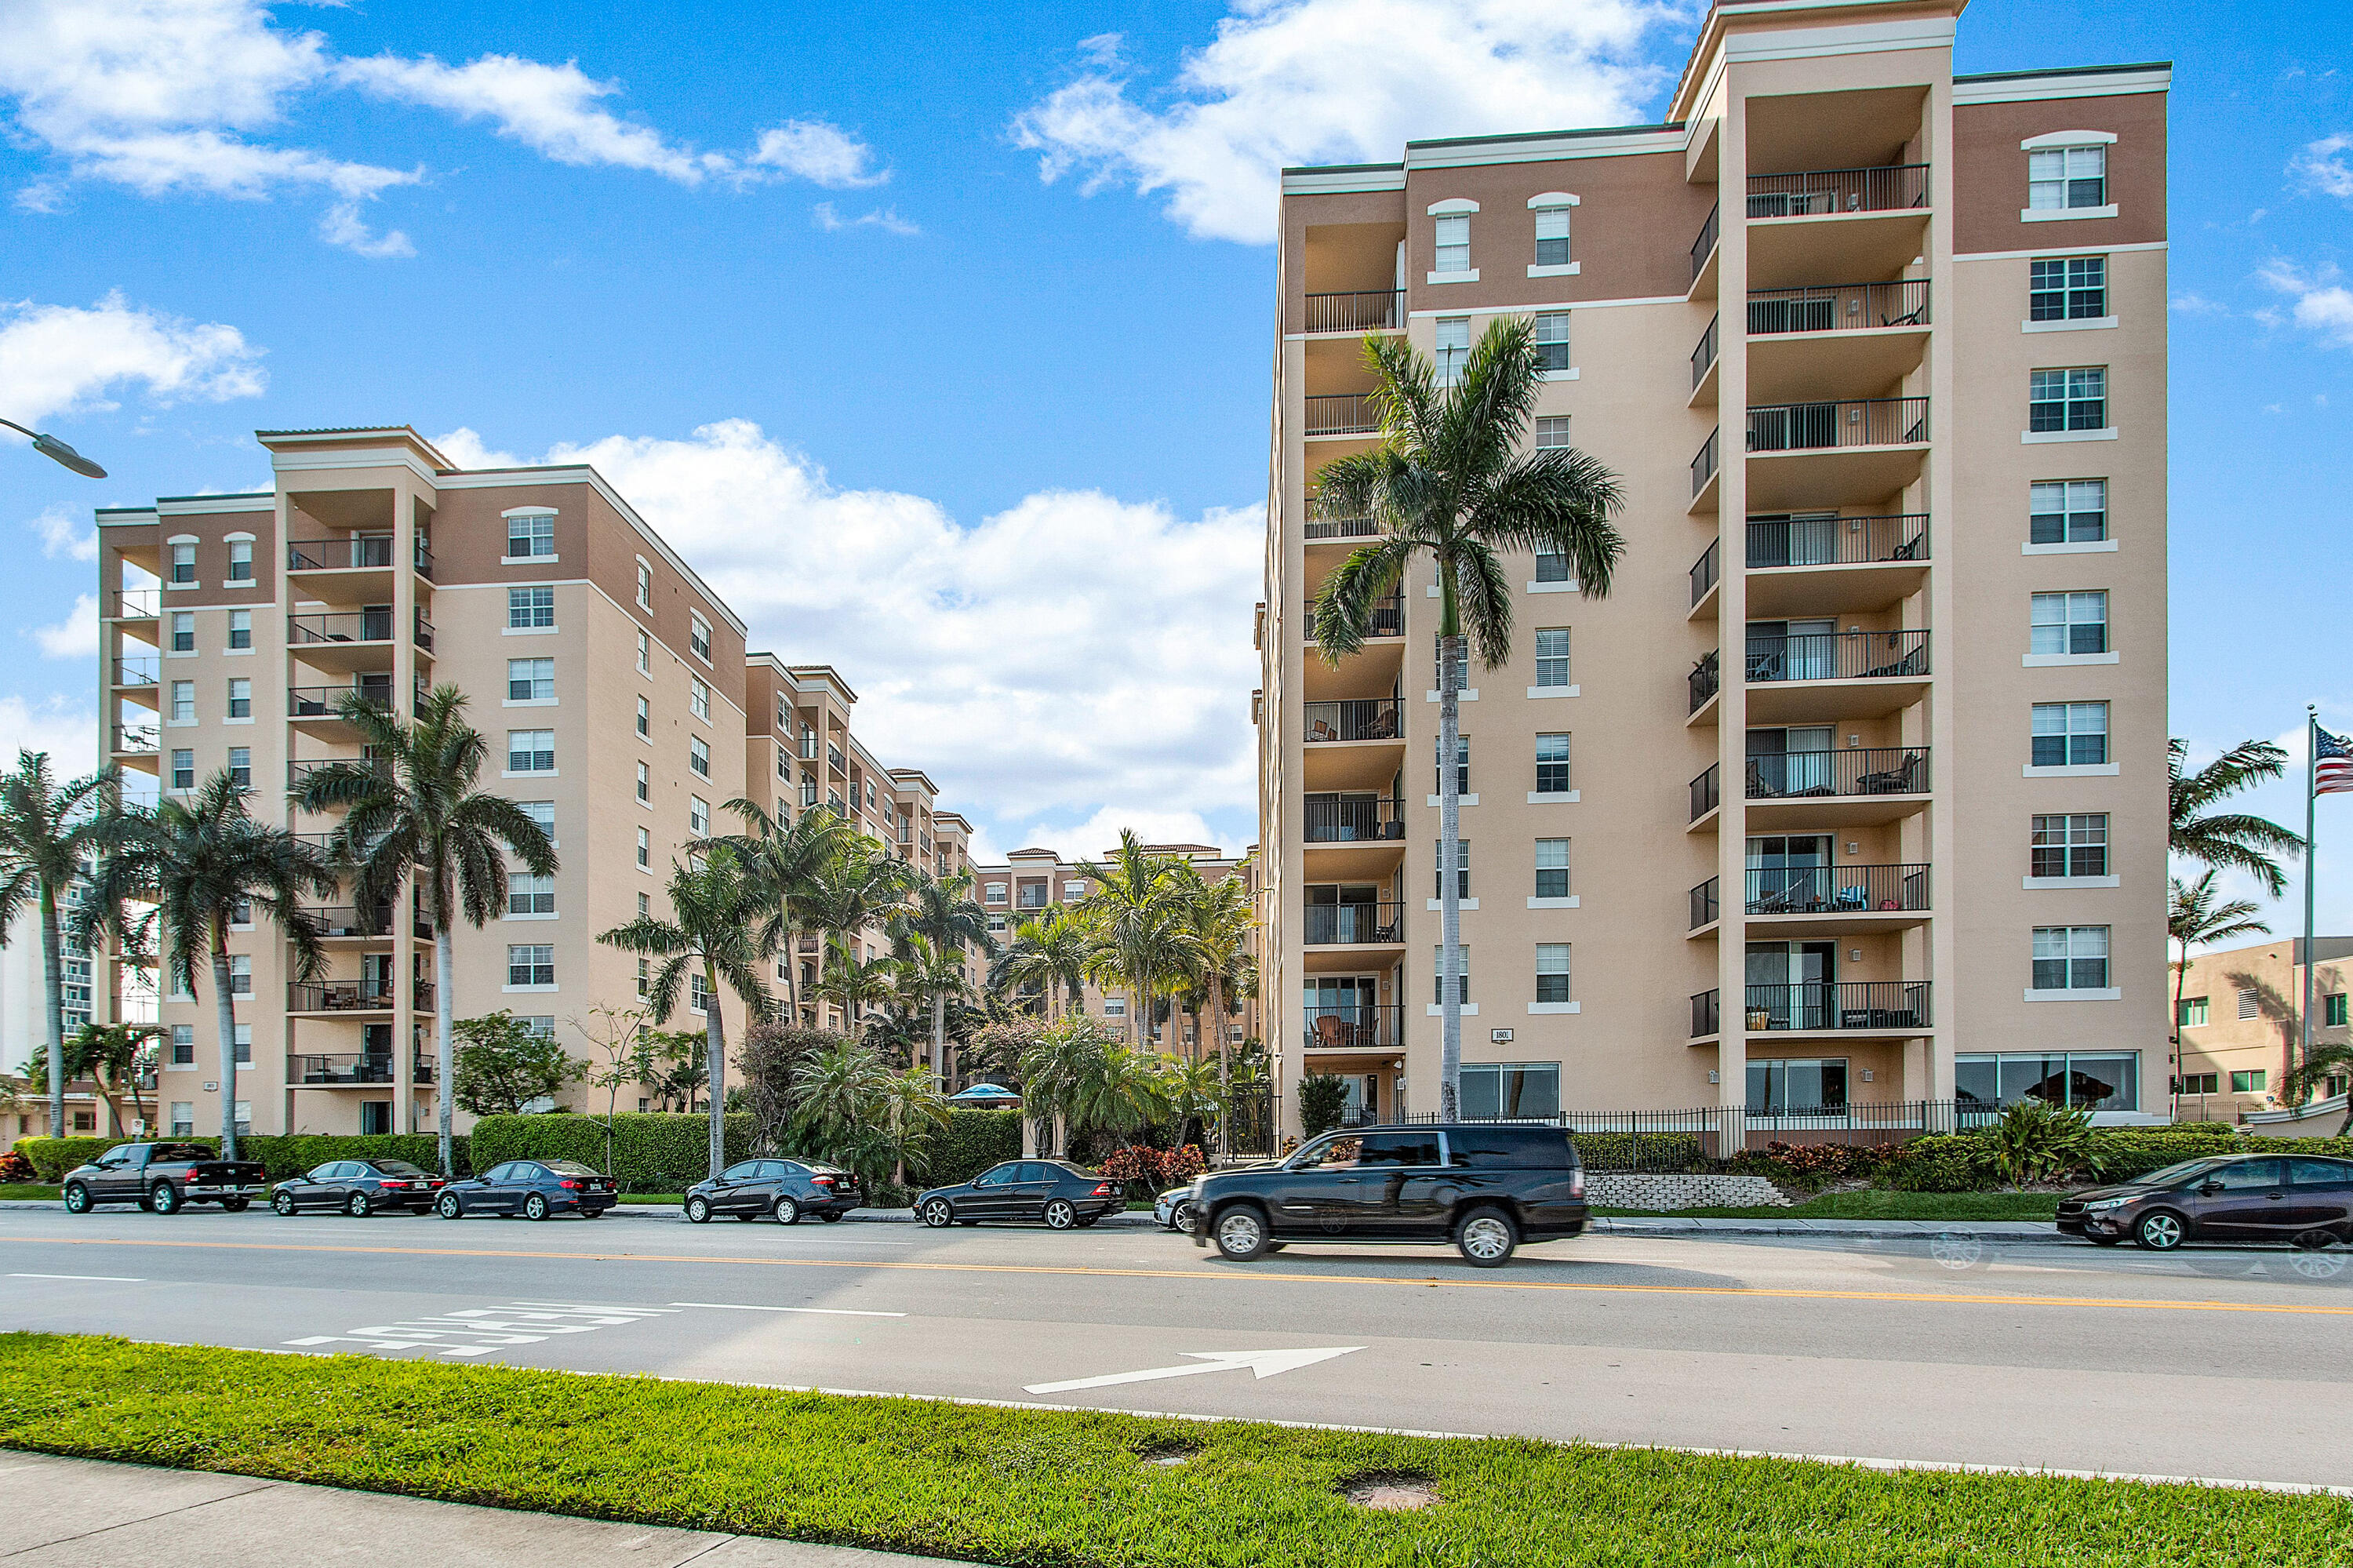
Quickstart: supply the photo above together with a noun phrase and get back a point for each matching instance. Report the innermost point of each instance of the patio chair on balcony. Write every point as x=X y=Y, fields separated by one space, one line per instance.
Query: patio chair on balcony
x=1916 y=663
x=1902 y=779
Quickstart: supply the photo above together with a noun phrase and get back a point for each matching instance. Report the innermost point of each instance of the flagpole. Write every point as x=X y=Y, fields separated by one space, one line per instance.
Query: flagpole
x=2311 y=872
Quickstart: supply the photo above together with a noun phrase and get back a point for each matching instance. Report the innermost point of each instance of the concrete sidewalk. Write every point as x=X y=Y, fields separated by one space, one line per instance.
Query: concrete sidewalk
x=80 y=1511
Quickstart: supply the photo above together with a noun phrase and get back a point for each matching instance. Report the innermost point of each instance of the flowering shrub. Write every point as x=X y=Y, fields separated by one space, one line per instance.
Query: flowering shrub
x=1130 y=1164
x=1182 y=1164
x=15 y=1169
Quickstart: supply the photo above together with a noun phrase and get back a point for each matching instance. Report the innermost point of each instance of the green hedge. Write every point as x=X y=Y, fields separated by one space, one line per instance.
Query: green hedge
x=972 y=1142
x=1638 y=1150
x=281 y=1157
x=2125 y=1152
x=653 y=1151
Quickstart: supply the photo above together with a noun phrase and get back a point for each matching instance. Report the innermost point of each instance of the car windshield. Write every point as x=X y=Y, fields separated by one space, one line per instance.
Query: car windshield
x=569 y=1167
x=394 y=1167
x=2177 y=1173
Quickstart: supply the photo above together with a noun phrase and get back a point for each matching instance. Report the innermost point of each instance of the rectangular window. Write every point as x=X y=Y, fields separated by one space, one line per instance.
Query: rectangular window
x=184 y=1045
x=529 y=894
x=531 y=965
x=2068 y=512
x=697 y=755
x=184 y=770
x=544 y=814
x=993 y=893
x=1461 y=868
x=1453 y=347
x=2065 y=178
x=184 y=563
x=1073 y=891
x=1552 y=237
x=1551 y=568
x=2251 y=1004
x=644 y=654
x=1552 y=868
x=2070 y=623
x=2071 y=957
x=1552 y=972
x=645 y=585
x=698 y=992
x=1802 y=1086
x=645 y=848
x=184 y=701
x=645 y=783
x=698 y=637
x=240 y=630
x=184 y=631
x=2251 y=1082
x=241 y=975
x=184 y=1119
x=1438 y=971
x=1552 y=656
x=2193 y=1012
x=645 y=976
x=1461 y=766
x=240 y=698
x=1114 y=1007
x=698 y=816
x=1552 y=765
x=240 y=560
x=1551 y=432
x=530 y=535
x=530 y=680
x=531 y=751
x=240 y=767
x=2067 y=288
x=2070 y=734
x=531 y=608
x=1453 y=246
x=1552 y=340
x=241 y=1046
x=2332 y=1011
x=2068 y=400
x=645 y=718
x=2071 y=845
x=697 y=697
x=2198 y=1084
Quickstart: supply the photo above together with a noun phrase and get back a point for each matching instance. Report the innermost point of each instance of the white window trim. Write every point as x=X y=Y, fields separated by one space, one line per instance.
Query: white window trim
x=1567 y=902
x=236 y=721
x=1565 y=269
x=529 y=560
x=2039 y=884
x=549 y=916
x=519 y=990
x=1567 y=375
x=529 y=701
x=1453 y=207
x=529 y=773
x=2072 y=770
x=530 y=512
x=1469 y=800
x=2060 y=438
x=529 y=630
x=2063 y=213
x=1460 y=904
x=1558 y=797
x=1542 y=1009
x=1549 y=198
x=1566 y=586
x=2052 y=140
x=1468 y=695
x=2085 y=324
x=2048 y=661
x=2087 y=994
x=2075 y=547
x=1469 y=1010
x=1540 y=691
x=1435 y=278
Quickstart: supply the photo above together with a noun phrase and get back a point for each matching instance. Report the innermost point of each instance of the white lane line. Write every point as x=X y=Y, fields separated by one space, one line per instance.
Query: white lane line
x=108 y=1278
x=822 y=1311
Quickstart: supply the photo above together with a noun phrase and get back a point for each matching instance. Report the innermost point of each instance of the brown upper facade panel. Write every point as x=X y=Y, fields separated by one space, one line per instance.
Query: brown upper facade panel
x=203 y=579
x=1629 y=230
x=672 y=608
x=1990 y=172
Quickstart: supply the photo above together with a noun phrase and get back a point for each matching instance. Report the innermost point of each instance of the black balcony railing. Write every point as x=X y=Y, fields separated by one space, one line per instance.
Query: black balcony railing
x=1847 y=1004
x=1834 y=307
x=1863 y=422
x=1388 y=618
x=1704 y=245
x=1365 y=310
x=300 y=773
x=1703 y=907
x=1838 y=656
x=1814 y=193
x=339 y=553
x=1836 y=889
x=350 y=996
x=137 y=604
x=1340 y=925
x=1837 y=541
x=1705 y=678
x=1704 y=791
x=1366 y=719
x=1858 y=770
x=1356 y=1026
x=313 y=1069
x=1355 y=819
x=326 y=701
x=1342 y=414
x=341 y=626
x=1705 y=354
x=134 y=739
x=1702 y=467
x=1707 y=1017
x=134 y=672
x=1704 y=570
x=343 y=920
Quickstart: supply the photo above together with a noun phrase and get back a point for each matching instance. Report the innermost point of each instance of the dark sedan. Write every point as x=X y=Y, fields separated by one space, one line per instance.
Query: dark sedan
x=531 y=1188
x=2299 y=1199
x=1051 y=1192
x=784 y=1189
x=359 y=1188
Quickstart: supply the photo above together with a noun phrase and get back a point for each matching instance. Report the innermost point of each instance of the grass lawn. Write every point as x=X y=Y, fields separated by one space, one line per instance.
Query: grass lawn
x=1076 y=1490
x=1874 y=1204
x=28 y=1192
x=671 y=1200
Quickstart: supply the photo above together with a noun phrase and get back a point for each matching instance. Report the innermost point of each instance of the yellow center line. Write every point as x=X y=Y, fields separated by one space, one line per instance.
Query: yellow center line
x=1931 y=1297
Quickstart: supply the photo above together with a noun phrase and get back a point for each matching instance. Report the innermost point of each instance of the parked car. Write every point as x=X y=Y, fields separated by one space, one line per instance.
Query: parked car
x=2300 y=1198
x=359 y=1188
x=1485 y=1186
x=782 y=1190
x=1052 y=1192
x=1173 y=1209
x=531 y=1188
x=164 y=1176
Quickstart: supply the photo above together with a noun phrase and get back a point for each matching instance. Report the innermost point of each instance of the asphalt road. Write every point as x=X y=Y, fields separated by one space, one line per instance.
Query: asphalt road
x=2222 y=1364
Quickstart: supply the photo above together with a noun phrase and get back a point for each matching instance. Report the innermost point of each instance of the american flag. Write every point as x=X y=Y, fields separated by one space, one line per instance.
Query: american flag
x=2332 y=763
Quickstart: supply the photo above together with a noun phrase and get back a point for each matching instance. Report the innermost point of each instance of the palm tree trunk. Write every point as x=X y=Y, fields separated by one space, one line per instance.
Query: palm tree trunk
x=939 y=1044
x=53 y=1009
x=1225 y=1079
x=1450 y=891
x=226 y=1014
x=2180 y=978
x=716 y=1047
x=444 y=1047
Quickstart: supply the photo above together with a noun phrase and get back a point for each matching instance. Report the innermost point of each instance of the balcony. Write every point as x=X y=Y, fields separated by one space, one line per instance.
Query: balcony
x=1704 y=573
x=137 y=604
x=334 y=1069
x=351 y=569
x=1839 y=307
x=350 y=996
x=1361 y=1026
x=1706 y=910
x=1829 y=541
x=1834 y=675
x=1320 y=527
x=1820 y=193
x=1707 y=791
x=339 y=922
x=1853 y=223
x=1857 y=786
x=1860 y=1007
x=1859 y=422
x=1355 y=819
x=1352 y=925
x=1818 y=342
x=1388 y=618
x=1702 y=474
x=1835 y=453
x=1375 y=310
x=350 y=641
x=136 y=740
x=1826 y=900
x=298 y=774
x=1340 y=414
x=137 y=676
x=1705 y=679
x=1364 y=718
x=1702 y=250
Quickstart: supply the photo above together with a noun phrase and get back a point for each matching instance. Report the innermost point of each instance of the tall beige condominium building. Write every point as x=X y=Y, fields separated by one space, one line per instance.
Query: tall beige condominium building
x=2241 y=1028
x=614 y=685
x=1853 y=789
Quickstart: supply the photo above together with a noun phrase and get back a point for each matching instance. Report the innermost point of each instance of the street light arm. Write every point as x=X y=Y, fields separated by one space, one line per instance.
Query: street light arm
x=59 y=452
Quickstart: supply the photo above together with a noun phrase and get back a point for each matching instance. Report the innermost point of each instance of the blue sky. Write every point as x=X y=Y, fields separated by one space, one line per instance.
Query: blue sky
x=941 y=334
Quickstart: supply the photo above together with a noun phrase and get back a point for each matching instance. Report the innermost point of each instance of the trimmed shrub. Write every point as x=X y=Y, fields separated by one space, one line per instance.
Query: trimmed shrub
x=1322 y=1099
x=280 y=1156
x=653 y=1151
x=972 y=1142
x=1638 y=1150
x=2126 y=1152
x=1809 y=1167
x=1942 y=1162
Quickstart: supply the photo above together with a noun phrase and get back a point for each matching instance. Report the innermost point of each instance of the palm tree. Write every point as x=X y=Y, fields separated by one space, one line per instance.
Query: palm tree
x=1133 y=905
x=117 y=1055
x=2194 y=920
x=2227 y=841
x=1054 y=1069
x=1193 y=1091
x=714 y=936
x=851 y=890
x=2321 y=1063
x=838 y=1095
x=1448 y=480
x=787 y=861
x=941 y=913
x=1118 y=1091
x=48 y=832
x=862 y=988
x=913 y=1113
x=926 y=970
x=1219 y=918
x=414 y=819
x=198 y=865
x=1044 y=956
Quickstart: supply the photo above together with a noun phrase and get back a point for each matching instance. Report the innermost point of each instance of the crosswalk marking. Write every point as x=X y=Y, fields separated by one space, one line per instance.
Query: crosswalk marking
x=482 y=1331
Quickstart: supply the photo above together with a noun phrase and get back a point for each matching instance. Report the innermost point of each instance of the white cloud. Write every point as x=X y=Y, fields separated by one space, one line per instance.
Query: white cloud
x=1071 y=650
x=1301 y=81
x=62 y=358
x=75 y=637
x=1099 y=835
x=61 y=535
x=819 y=153
x=67 y=732
x=885 y=218
x=2317 y=301
x=2325 y=165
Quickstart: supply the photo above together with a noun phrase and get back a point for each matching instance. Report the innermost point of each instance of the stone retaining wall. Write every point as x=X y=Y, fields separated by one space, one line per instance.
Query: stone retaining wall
x=1627 y=1189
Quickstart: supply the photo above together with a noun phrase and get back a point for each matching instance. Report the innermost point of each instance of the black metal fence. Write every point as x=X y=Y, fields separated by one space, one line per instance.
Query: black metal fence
x=1862 y=1005
x=1705 y=677
x=1855 y=422
x=1704 y=570
x=1355 y=819
x=1857 y=770
x=1702 y=467
x=1838 y=306
x=1329 y=925
x=1364 y=718
x=1704 y=791
x=1838 y=656
x=1386 y=619
x=1704 y=245
x=1704 y=904
x=1837 y=541
x=1346 y=1027
x=1836 y=889
x=1705 y=354
x=1813 y=193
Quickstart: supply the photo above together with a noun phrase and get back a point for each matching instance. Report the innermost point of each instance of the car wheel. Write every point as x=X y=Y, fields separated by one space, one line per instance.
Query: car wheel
x=358 y=1207
x=2160 y=1230
x=234 y=1205
x=282 y=1203
x=166 y=1198
x=1241 y=1233
x=939 y=1213
x=1180 y=1218
x=787 y=1210
x=535 y=1207
x=1061 y=1214
x=830 y=1218
x=450 y=1207
x=1487 y=1238
x=698 y=1210
x=77 y=1198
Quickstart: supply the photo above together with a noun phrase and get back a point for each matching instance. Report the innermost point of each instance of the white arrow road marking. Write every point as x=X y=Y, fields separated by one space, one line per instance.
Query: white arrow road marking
x=1265 y=1363
x=109 y=1279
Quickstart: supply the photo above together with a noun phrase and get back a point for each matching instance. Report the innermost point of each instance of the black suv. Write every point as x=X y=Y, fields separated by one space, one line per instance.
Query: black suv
x=1485 y=1186
x=782 y=1189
